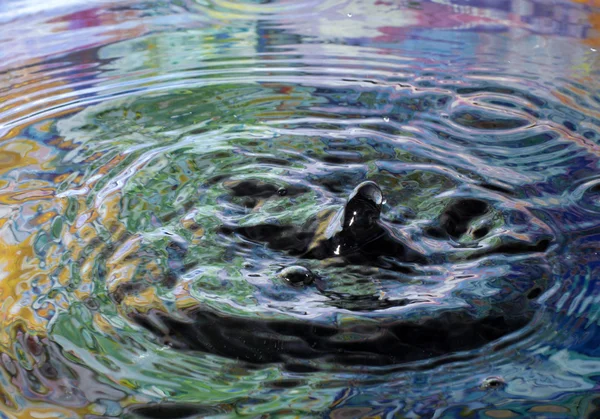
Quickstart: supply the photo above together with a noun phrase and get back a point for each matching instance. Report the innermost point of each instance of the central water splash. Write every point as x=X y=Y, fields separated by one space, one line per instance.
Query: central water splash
x=444 y=265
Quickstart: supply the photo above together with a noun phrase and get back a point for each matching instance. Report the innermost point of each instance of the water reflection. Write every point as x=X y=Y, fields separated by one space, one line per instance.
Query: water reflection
x=127 y=130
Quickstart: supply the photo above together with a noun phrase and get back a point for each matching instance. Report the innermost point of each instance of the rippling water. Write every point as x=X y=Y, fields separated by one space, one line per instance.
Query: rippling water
x=164 y=165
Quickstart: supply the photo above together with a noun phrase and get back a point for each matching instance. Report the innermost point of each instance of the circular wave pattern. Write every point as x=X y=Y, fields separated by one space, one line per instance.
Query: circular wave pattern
x=189 y=215
x=162 y=190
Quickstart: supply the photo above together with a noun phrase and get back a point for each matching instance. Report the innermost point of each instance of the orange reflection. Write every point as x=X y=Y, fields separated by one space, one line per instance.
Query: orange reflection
x=593 y=17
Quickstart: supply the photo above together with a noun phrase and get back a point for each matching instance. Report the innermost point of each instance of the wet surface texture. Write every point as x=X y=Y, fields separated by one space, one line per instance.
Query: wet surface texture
x=287 y=208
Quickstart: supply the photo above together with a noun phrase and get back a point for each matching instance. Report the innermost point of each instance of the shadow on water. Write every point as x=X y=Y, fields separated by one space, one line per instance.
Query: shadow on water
x=336 y=208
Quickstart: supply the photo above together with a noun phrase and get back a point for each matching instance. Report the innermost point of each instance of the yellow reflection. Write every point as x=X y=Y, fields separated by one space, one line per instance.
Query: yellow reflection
x=14 y=260
x=16 y=154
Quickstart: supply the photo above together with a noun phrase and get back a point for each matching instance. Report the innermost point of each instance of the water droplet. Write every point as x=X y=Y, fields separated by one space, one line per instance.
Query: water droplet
x=297 y=275
x=282 y=191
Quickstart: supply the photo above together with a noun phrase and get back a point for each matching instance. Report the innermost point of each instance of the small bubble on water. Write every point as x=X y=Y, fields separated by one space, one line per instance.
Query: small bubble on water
x=282 y=191
x=493 y=382
x=349 y=14
x=593 y=49
x=386 y=119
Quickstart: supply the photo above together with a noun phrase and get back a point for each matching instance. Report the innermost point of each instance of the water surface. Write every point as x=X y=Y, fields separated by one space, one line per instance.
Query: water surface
x=161 y=163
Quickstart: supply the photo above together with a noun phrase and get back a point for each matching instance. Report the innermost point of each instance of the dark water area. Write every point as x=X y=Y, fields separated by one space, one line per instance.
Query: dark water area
x=292 y=209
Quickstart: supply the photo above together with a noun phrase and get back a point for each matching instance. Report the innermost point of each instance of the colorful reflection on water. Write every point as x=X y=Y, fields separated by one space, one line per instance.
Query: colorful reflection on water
x=161 y=163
